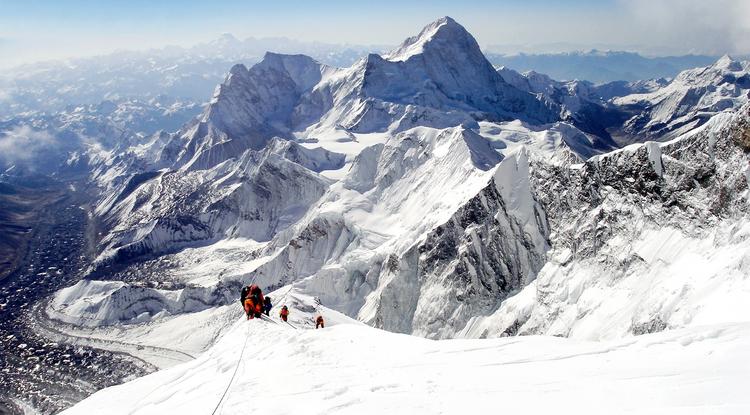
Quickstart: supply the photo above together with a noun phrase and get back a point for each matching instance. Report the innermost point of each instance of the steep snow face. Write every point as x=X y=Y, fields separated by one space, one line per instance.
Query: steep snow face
x=689 y=100
x=349 y=368
x=647 y=238
x=248 y=109
x=493 y=245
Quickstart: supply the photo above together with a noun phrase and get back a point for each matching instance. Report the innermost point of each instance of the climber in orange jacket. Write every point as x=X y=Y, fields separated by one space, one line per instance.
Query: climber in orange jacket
x=319 y=323
x=253 y=302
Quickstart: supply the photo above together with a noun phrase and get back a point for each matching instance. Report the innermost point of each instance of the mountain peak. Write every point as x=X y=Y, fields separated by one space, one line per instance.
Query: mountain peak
x=728 y=63
x=238 y=69
x=226 y=40
x=442 y=30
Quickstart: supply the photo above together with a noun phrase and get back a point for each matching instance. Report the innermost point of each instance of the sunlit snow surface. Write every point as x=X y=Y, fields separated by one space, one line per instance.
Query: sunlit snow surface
x=350 y=368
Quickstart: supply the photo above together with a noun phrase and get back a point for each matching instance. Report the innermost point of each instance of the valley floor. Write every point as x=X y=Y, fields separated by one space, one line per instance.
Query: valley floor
x=35 y=371
x=351 y=368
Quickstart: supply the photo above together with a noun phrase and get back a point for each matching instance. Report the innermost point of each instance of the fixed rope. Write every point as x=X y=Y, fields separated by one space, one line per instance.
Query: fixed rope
x=281 y=303
x=244 y=346
x=223 y=395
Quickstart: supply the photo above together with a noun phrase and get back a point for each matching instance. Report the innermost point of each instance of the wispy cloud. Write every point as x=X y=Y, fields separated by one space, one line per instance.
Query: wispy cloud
x=22 y=144
x=715 y=26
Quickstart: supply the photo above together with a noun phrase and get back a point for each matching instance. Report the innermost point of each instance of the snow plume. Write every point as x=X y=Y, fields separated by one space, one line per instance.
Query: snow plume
x=22 y=144
x=715 y=27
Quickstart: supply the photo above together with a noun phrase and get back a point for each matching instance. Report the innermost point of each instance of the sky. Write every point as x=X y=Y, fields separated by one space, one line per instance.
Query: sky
x=49 y=29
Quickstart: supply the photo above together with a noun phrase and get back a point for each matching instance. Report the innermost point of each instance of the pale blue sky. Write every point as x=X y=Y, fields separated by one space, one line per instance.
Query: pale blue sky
x=43 y=29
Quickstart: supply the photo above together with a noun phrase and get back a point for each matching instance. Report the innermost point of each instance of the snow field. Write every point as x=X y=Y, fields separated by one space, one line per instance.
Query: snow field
x=350 y=368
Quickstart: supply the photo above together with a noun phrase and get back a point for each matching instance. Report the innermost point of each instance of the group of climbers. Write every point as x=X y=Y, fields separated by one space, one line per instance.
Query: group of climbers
x=252 y=299
x=256 y=304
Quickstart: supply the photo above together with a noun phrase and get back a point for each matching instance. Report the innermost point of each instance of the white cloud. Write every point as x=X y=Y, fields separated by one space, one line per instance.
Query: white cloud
x=716 y=26
x=23 y=143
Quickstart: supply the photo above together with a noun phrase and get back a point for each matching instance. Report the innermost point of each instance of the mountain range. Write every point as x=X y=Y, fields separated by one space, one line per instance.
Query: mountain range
x=422 y=191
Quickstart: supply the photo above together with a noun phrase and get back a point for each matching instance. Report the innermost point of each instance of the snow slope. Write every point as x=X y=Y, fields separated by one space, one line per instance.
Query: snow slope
x=346 y=368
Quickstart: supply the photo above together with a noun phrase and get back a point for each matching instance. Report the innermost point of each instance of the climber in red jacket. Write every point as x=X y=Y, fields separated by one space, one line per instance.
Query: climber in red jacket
x=284 y=313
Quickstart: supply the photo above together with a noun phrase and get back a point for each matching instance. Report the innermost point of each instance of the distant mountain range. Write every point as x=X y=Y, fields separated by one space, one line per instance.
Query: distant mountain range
x=599 y=67
x=189 y=75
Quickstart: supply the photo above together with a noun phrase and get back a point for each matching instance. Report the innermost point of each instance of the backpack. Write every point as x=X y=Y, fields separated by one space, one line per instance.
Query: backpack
x=243 y=295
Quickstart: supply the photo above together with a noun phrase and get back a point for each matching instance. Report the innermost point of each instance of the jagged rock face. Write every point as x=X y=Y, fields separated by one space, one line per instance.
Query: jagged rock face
x=679 y=182
x=463 y=268
x=638 y=240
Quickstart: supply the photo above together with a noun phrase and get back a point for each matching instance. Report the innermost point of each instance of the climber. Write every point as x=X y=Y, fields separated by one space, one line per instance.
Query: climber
x=284 y=313
x=267 y=306
x=253 y=302
x=319 y=323
x=243 y=294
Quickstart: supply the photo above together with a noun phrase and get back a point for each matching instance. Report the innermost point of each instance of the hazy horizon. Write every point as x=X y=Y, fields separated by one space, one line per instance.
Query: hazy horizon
x=38 y=30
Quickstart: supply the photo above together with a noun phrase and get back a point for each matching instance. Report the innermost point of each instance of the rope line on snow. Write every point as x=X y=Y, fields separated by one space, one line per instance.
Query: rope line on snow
x=244 y=346
x=223 y=395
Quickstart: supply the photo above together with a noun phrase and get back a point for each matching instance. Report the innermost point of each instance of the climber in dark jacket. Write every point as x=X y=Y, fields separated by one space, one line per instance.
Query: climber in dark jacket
x=267 y=306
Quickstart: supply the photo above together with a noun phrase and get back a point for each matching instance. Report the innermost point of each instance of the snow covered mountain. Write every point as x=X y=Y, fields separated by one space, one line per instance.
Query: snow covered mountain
x=296 y=98
x=422 y=192
x=657 y=109
x=580 y=102
x=598 y=66
x=183 y=73
x=338 y=203
x=660 y=227
x=690 y=100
